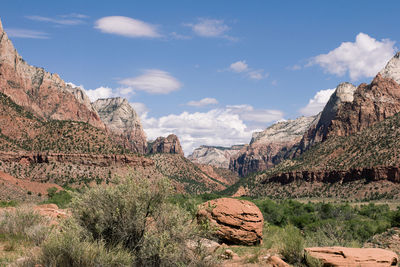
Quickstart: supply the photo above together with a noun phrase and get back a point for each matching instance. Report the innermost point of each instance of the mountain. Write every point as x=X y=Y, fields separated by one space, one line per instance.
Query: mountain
x=169 y=144
x=40 y=92
x=271 y=146
x=350 y=109
x=351 y=150
x=50 y=134
x=214 y=155
x=119 y=116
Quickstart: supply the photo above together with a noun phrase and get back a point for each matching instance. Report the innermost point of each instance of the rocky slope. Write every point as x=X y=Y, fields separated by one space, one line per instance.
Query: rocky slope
x=214 y=155
x=123 y=121
x=43 y=93
x=271 y=146
x=351 y=109
x=169 y=144
x=354 y=165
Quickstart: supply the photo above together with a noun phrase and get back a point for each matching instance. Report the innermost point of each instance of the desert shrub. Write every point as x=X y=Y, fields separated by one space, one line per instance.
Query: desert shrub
x=133 y=214
x=71 y=246
x=291 y=245
x=61 y=198
x=24 y=222
x=11 y=203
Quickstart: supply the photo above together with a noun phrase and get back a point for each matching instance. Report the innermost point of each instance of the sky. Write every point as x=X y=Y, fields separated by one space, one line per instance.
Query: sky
x=211 y=72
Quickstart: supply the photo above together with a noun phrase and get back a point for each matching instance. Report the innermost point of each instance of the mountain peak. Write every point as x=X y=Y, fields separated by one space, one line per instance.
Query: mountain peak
x=392 y=68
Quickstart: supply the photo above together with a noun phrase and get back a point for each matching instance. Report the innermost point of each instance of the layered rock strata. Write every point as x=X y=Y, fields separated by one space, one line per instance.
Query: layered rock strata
x=43 y=93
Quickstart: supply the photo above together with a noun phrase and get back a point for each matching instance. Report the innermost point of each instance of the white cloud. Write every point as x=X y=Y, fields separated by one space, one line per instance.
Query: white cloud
x=140 y=108
x=178 y=36
x=101 y=92
x=317 y=103
x=153 y=81
x=242 y=67
x=239 y=66
x=68 y=19
x=222 y=126
x=23 y=33
x=363 y=58
x=203 y=102
x=211 y=28
x=126 y=26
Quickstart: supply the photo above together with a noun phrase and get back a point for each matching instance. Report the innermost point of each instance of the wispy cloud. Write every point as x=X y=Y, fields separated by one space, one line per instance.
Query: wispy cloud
x=242 y=67
x=67 y=19
x=127 y=27
x=25 y=33
x=362 y=58
x=203 y=102
x=152 y=81
x=211 y=28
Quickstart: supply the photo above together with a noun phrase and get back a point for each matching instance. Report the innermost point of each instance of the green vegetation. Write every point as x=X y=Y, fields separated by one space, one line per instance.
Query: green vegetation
x=129 y=223
x=5 y=204
x=61 y=198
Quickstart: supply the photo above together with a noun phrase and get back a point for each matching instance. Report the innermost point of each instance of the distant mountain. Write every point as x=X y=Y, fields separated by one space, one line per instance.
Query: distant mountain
x=119 y=116
x=271 y=146
x=214 y=155
x=351 y=149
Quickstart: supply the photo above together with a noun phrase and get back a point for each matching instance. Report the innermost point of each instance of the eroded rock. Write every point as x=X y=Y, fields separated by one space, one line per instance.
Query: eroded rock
x=236 y=221
x=354 y=257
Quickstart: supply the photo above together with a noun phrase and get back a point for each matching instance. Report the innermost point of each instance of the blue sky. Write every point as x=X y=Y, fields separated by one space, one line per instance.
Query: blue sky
x=211 y=72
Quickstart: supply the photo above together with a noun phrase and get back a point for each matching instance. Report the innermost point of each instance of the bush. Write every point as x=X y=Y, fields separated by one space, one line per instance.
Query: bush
x=61 y=198
x=133 y=216
x=70 y=246
x=24 y=222
x=291 y=245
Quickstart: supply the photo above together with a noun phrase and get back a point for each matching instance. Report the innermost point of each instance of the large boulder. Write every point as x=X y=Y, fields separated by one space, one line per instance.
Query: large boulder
x=349 y=257
x=236 y=221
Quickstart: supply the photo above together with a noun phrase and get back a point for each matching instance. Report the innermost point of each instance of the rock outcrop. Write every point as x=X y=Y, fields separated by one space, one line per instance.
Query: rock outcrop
x=214 y=155
x=169 y=144
x=271 y=146
x=39 y=91
x=350 y=109
x=236 y=221
x=388 y=173
x=122 y=120
x=354 y=257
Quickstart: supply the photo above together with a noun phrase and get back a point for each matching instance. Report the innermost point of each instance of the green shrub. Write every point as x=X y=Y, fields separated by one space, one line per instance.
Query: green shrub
x=133 y=214
x=61 y=198
x=292 y=245
x=71 y=246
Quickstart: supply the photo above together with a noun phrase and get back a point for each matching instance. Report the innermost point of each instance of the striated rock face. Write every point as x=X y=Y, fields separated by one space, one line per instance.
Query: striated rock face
x=389 y=173
x=41 y=92
x=169 y=144
x=354 y=257
x=351 y=109
x=270 y=146
x=122 y=120
x=237 y=221
x=214 y=155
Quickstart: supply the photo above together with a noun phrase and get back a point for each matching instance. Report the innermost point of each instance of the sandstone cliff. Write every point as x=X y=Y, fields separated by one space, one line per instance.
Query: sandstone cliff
x=122 y=120
x=214 y=155
x=271 y=146
x=169 y=144
x=39 y=91
x=351 y=109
